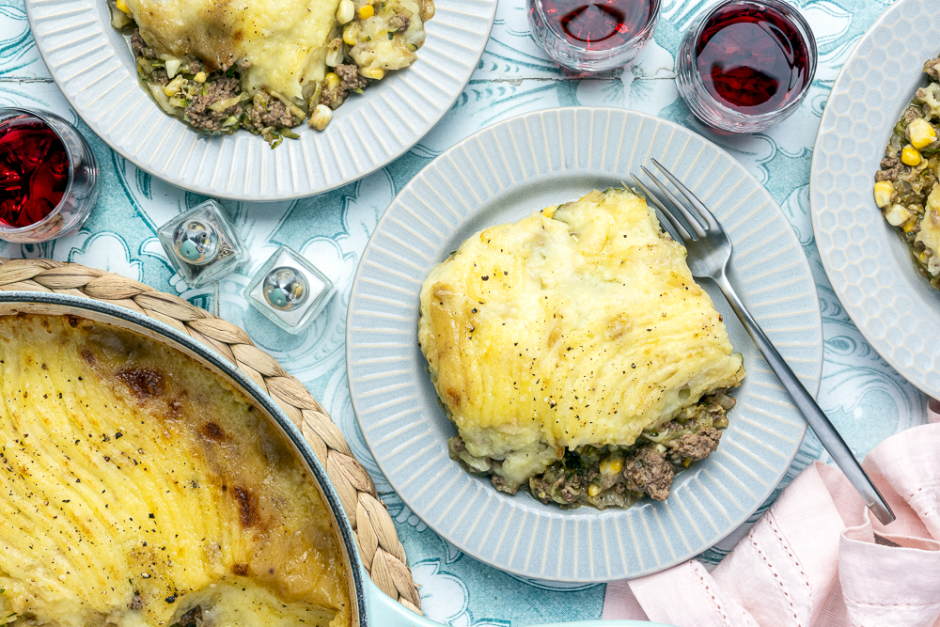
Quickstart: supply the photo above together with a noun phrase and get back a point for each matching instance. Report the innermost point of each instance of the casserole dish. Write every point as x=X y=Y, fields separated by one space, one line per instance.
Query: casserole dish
x=369 y=605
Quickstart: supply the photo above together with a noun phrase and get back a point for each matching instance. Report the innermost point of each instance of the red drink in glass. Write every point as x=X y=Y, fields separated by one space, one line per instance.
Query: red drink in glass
x=597 y=25
x=48 y=176
x=592 y=35
x=751 y=59
x=746 y=65
x=34 y=171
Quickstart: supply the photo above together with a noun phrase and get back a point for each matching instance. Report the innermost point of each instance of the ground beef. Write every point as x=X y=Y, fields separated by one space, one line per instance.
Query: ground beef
x=649 y=471
x=543 y=486
x=458 y=444
x=931 y=67
x=502 y=485
x=159 y=76
x=332 y=99
x=194 y=67
x=136 y=602
x=218 y=87
x=273 y=114
x=349 y=75
x=399 y=23
x=696 y=446
x=140 y=47
x=192 y=618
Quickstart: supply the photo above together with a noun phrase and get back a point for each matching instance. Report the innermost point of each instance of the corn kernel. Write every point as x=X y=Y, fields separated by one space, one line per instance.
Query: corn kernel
x=687 y=462
x=332 y=80
x=173 y=87
x=910 y=156
x=884 y=190
x=909 y=226
x=897 y=215
x=349 y=36
x=200 y=77
x=122 y=6
x=923 y=257
x=377 y=73
x=366 y=12
x=922 y=133
x=612 y=465
x=320 y=117
x=594 y=489
x=345 y=12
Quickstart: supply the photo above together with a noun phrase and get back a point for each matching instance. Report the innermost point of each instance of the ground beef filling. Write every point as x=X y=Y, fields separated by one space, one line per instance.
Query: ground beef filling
x=615 y=476
x=911 y=182
x=200 y=116
x=196 y=102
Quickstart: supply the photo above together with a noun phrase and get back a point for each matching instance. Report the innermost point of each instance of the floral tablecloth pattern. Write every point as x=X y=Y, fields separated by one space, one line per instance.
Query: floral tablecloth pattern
x=866 y=399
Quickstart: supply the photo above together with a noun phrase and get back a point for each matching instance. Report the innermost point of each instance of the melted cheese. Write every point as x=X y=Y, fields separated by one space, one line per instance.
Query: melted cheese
x=285 y=40
x=135 y=485
x=579 y=325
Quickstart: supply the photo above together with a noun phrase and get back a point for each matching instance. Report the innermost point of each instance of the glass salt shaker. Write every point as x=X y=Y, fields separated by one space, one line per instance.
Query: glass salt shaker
x=289 y=290
x=202 y=245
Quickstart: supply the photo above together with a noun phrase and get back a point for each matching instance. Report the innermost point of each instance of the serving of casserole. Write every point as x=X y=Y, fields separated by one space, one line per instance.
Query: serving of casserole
x=266 y=66
x=139 y=488
x=576 y=355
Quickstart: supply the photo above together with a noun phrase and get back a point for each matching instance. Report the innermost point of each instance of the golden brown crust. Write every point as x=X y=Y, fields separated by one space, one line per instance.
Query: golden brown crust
x=165 y=479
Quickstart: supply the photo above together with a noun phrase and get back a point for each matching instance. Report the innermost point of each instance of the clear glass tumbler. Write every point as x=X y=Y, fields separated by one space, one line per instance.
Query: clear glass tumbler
x=759 y=58
x=592 y=35
x=80 y=192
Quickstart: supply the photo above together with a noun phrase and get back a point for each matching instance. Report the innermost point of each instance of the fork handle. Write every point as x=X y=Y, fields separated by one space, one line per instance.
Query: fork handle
x=825 y=430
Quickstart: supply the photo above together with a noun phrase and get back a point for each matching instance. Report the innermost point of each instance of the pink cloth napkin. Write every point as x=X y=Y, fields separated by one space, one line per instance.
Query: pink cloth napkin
x=816 y=558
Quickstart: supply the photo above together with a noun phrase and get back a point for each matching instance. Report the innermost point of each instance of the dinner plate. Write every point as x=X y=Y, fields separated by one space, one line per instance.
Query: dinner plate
x=502 y=174
x=867 y=262
x=94 y=67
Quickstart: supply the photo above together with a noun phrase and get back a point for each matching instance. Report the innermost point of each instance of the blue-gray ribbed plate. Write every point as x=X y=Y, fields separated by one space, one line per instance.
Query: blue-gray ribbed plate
x=93 y=66
x=500 y=175
x=867 y=262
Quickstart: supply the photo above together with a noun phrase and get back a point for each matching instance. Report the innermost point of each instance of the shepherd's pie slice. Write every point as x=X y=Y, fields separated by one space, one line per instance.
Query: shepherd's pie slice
x=576 y=354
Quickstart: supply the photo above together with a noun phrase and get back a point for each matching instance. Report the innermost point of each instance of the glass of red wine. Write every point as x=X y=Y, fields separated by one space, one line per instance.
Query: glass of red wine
x=48 y=176
x=746 y=65
x=592 y=35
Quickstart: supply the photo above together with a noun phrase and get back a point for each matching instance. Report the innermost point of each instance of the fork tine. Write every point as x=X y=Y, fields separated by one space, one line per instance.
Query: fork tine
x=693 y=222
x=672 y=219
x=693 y=200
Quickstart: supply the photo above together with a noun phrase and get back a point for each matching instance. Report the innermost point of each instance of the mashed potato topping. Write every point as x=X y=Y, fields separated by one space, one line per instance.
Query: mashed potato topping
x=138 y=489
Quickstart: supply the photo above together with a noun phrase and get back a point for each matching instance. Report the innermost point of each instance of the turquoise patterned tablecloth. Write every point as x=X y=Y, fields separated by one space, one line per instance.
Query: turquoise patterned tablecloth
x=866 y=399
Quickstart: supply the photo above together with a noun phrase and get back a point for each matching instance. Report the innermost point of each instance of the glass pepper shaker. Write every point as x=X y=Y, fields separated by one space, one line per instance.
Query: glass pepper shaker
x=202 y=245
x=289 y=290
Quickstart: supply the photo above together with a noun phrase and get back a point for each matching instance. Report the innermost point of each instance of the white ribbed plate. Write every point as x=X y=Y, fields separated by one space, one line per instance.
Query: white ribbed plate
x=94 y=68
x=502 y=174
x=867 y=262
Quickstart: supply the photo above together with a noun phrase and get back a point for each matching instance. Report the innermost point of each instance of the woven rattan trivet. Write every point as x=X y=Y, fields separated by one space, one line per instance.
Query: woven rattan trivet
x=382 y=552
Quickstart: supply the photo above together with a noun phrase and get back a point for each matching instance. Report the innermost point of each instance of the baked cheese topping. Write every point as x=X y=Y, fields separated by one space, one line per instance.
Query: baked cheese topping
x=138 y=488
x=578 y=326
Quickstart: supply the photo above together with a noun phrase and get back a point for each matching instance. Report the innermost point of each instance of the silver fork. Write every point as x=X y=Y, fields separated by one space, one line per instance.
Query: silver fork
x=709 y=250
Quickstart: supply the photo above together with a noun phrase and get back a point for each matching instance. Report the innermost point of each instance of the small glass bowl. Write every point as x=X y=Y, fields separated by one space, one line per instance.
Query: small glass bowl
x=715 y=114
x=80 y=194
x=579 y=58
